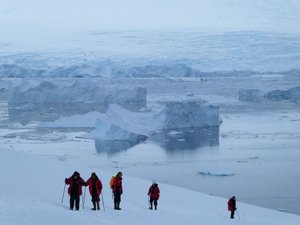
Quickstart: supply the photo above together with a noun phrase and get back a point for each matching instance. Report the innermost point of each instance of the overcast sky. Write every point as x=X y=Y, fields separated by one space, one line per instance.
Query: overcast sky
x=84 y=15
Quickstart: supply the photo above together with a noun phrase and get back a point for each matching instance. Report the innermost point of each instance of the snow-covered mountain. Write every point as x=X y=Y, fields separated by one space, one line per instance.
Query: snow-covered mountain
x=157 y=54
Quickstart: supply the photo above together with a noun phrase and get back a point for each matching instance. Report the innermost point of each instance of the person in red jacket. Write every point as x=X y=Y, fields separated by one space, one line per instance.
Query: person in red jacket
x=154 y=195
x=117 y=190
x=75 y=183
x=95 y=188
x=232 y=206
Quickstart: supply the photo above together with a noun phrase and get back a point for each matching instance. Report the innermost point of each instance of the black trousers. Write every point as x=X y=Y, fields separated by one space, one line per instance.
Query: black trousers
x=153 y=201
x=117 y=199
x=74 y=199
x=232 y=214
x=117 y=196
x=95 y=198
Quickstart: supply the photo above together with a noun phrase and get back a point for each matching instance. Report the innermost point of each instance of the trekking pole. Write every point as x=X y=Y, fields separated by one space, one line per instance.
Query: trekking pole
x=83 y=198
x=237 y=213
x=103 y=201
x=63 y=195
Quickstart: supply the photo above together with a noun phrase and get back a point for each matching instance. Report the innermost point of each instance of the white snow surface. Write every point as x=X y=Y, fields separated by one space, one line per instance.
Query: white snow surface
x=34 y=185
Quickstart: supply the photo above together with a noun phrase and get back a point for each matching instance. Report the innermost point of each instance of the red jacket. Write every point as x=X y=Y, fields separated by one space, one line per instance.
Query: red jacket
x=231 y=204
x=154 y=192
x=71 y=181
x=89 y=183
x=117 y=185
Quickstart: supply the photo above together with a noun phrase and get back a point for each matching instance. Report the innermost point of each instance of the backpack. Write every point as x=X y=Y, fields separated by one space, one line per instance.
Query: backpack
x=111 y=182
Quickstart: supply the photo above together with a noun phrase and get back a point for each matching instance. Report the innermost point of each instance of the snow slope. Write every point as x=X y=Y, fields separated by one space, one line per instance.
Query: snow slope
x=33 y=185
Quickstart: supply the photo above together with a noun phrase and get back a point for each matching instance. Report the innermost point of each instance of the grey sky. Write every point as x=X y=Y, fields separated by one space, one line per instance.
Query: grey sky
x=32 y=16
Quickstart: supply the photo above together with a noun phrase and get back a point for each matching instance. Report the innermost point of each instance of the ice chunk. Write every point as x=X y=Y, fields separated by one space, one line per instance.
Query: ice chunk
x=109 y=131
x=215 y=174
x=176 y=126
x=190 y=114
x=172 y=116
x=50 y=100
x=111 y=138
x=292 y=94
x=250 y=95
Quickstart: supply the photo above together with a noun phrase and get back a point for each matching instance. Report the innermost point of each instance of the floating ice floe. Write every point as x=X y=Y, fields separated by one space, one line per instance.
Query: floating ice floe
x=215 y=174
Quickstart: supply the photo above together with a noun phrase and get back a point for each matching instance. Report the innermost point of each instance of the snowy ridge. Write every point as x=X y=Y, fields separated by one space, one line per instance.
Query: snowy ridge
x=40 y=204
x=190 y=53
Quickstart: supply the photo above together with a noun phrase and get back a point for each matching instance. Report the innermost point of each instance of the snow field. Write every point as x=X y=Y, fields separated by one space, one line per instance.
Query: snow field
x=33 y=186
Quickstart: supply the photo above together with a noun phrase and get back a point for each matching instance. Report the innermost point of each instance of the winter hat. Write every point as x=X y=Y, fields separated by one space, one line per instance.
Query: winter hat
x=119 y=173
x=75 y=174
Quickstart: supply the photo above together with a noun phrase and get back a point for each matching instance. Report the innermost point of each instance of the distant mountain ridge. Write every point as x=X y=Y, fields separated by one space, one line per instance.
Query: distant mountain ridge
x=159 y=54
x=147 y=71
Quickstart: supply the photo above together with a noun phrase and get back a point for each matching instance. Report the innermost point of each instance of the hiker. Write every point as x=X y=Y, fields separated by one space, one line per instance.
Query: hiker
x=116 y=186
x=232 y=206
x=75 y=182
x=95 y=188
x=153 y=195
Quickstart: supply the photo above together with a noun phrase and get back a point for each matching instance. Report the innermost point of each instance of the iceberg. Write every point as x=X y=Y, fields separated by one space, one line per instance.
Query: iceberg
x=176 y=126
x=250 y=95
x=292 y=94
x=33 y=100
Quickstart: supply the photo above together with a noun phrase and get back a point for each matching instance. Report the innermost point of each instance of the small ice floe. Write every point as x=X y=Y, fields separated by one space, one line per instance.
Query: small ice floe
x=174 y=133
x=62 y=158
x=181 y=139
x=215 y=174
x=282 y=210
x=156 y=164
x=13 y=135
x=224 y=135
